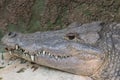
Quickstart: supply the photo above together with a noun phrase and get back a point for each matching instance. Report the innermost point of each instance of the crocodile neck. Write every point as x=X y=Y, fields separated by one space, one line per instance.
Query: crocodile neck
x=112 y=69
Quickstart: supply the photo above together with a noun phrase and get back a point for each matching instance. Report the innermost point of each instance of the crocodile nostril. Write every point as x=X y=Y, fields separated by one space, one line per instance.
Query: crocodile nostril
x=11 y=34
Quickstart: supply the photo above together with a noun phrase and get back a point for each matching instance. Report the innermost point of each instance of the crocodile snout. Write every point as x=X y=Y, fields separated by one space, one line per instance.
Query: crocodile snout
x=10 y=39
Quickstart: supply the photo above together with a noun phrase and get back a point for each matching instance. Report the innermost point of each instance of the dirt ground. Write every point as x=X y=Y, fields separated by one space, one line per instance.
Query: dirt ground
x=14 y=69
x=39 y=15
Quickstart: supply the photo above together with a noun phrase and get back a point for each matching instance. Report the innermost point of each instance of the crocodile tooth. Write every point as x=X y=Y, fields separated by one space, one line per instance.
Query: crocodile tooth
x=49 y=54
x=10 y=52
x=56 y=57
x=25 y=51
x=32 y=57
x=43 y=52
x=26 y=54
x=39 y=52
x=16 y=46
x=46 y=53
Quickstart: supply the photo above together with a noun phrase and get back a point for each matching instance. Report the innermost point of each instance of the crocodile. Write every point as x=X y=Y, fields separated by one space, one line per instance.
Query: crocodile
x=91 y=49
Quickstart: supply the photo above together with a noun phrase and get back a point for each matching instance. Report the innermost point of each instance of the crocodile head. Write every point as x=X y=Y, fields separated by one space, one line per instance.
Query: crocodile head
x=73 y=49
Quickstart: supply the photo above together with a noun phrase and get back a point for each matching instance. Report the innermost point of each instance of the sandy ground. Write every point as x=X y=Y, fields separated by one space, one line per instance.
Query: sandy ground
x=15 y=70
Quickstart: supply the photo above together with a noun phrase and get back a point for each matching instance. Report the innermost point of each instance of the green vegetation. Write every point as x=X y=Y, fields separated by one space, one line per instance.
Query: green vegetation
x=1 y=78
x=57 y=14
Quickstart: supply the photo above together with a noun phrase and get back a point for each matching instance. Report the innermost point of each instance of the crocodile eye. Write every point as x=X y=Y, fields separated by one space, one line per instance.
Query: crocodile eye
x=11 y=34
x=71 y=36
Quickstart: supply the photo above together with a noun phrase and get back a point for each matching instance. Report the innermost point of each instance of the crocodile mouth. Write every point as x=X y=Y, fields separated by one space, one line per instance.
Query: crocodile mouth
x=22 y=53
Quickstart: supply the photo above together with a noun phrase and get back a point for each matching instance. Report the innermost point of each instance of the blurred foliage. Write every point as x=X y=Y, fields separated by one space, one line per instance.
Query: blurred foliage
x=37 y=11
x=41 y=15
